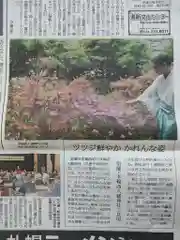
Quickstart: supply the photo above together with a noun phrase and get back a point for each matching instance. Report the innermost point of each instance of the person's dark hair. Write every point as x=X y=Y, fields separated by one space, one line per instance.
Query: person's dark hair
x=162 y=59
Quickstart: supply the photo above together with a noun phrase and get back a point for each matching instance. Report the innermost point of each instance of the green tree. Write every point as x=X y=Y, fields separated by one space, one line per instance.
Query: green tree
x=71 y=56
x=105 y=59
x=114 y=58
x=24 y=55
x=169 y=48
x=19 y=57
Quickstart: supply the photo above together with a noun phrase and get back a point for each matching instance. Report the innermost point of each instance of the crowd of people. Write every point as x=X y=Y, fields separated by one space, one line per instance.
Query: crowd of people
x=18 y=179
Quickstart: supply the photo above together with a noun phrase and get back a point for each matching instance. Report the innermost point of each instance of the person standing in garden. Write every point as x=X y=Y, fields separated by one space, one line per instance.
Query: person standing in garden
x=159 y=97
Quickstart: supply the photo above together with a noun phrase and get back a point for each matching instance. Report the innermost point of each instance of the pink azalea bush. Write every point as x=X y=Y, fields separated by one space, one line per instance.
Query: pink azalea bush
x=44 y=108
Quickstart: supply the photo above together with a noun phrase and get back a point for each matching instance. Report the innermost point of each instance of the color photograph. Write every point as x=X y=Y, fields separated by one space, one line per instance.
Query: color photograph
x=96 y=89
x=30 y=175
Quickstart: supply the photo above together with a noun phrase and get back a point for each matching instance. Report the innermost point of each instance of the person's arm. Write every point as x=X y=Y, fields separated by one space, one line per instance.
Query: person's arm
x=149 y=94
x=133 y=101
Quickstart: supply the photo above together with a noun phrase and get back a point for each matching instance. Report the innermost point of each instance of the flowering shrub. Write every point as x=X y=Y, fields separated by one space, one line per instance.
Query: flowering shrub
x=47 y=108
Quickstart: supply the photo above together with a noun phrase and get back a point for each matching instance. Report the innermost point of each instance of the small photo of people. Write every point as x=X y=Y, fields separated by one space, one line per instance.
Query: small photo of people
x=30 y=175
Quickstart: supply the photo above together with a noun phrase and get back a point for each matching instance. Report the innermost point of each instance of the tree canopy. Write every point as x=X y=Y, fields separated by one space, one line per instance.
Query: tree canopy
x=102 y=58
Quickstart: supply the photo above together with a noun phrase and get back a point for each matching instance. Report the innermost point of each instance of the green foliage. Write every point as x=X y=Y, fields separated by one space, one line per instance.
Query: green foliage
x=19 y=57
x=169 y=49
x=104 y=59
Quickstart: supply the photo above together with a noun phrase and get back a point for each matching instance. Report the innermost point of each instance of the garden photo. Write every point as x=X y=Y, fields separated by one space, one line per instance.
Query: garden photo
x=106 y=89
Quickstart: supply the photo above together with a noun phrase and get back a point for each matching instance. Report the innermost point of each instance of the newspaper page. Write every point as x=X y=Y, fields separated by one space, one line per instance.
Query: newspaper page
x=96 y=70
x=87 y=70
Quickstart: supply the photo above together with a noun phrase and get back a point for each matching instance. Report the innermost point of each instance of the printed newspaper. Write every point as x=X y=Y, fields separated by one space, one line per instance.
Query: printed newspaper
x=90 y=119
